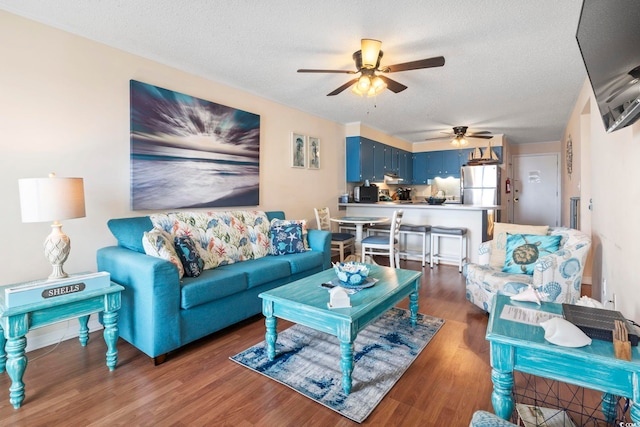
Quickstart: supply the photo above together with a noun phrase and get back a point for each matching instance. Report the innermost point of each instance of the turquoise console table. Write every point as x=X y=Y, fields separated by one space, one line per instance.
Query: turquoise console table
x=522 y=347
x=15 y=322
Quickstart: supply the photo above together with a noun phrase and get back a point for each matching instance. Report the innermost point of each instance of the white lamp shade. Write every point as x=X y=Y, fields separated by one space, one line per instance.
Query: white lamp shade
x=51 y=199
x=370 y=51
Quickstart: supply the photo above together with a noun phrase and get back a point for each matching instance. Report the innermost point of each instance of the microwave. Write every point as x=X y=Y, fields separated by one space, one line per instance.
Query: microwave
x=363 y=194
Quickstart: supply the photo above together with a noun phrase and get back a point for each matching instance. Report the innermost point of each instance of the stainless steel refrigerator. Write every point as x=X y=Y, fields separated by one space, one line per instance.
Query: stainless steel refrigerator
x=480 y=186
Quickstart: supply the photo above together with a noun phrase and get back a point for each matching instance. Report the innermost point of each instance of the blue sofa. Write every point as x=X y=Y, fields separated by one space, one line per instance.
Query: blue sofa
x=161 y=312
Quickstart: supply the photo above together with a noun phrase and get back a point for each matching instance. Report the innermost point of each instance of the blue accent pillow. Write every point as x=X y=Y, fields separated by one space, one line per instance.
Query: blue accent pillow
x=188 y=253
x=523 y=250
x=287 y=238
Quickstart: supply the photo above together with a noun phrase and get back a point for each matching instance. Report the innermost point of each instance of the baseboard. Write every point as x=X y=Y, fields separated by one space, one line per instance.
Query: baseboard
x=58 y=332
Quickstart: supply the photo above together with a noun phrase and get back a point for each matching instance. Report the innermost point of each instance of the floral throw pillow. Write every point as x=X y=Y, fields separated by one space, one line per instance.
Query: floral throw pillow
x=158 y=243
x=523 y=250
x=287 y=239
x=188 y=253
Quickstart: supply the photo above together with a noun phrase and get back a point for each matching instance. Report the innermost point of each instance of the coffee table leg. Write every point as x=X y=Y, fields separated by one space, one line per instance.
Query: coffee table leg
x=413 y=305
x=16 y=365
x=346 y=364
x=271 y=336
x=501 y=397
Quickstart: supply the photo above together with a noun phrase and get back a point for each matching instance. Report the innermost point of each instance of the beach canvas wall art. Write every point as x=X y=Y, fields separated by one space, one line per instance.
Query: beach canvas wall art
x=187 y=152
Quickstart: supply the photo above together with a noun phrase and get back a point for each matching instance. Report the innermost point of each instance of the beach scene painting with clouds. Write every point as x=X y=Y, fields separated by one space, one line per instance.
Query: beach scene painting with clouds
x=190 y=153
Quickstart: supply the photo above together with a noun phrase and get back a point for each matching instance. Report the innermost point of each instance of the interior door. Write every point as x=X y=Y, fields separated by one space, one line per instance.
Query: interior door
x=536 y=186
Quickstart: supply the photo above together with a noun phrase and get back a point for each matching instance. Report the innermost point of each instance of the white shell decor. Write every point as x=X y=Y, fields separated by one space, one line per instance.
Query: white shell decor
x=589 y=302
x=561 y=332
x=530 y=295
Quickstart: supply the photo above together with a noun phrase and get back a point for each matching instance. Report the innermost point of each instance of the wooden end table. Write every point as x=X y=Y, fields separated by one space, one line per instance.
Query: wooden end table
x=15 y=322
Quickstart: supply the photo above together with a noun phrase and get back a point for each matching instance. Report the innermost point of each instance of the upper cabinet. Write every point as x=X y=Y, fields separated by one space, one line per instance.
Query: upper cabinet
x=368 y=159
x=365 y=159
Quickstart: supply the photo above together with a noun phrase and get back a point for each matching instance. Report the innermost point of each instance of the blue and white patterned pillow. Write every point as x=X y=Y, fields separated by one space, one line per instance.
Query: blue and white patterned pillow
x=523 y=250
x=287 y=238
x=188 y=253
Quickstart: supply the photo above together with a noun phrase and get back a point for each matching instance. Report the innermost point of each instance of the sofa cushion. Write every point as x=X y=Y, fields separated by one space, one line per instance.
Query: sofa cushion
x=188 y=254
x=288 y=237
x=130 y=231
x=159 y=243
x=211 y=285
x=523 y=250
x=300 y=263
x=499 y=242
x=262 y=270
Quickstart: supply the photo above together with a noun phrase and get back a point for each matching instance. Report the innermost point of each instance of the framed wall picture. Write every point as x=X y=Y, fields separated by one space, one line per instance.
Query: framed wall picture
x=313 y=153
x=298 y=150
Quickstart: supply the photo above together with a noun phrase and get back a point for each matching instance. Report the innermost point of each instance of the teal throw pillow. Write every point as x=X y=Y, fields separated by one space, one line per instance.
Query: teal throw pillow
x=287 y=238
x=523 y=250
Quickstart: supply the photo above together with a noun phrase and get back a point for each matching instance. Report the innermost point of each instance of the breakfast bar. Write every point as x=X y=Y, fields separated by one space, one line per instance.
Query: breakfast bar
x=478 y=220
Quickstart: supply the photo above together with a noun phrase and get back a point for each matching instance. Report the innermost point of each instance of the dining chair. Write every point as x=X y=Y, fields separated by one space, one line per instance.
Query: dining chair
x=339 y=241
x=383 y=245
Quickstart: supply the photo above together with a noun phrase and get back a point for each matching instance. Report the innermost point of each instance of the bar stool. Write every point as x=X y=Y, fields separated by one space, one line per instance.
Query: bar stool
x=459 y=233
x=419 y=230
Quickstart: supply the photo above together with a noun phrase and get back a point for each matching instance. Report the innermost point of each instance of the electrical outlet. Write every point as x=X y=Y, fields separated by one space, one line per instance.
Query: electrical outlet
x=613 y=301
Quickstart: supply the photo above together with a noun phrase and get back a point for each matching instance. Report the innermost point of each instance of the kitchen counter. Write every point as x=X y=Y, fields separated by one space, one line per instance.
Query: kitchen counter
x=407 y=204
x=478 y=220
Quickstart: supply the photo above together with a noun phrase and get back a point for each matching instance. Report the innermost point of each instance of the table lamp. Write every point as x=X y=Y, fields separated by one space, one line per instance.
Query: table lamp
x=53 y=199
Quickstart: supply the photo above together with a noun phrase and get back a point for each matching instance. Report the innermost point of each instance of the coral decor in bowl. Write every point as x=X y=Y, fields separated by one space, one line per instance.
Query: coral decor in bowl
x=351 y=273
x=435 y=200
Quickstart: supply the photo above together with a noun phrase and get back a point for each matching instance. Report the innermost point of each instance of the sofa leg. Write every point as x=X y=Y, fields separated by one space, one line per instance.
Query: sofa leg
x=159 y=359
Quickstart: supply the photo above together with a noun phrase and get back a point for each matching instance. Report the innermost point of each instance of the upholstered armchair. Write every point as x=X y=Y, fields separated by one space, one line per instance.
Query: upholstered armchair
x=487 y=419
x=558 y=275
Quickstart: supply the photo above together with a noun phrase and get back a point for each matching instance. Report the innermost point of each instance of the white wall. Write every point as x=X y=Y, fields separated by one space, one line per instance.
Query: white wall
x=607 y=173
x=64 y=108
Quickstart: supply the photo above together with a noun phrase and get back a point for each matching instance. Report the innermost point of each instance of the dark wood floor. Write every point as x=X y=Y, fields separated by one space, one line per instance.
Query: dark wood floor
x=199 y=385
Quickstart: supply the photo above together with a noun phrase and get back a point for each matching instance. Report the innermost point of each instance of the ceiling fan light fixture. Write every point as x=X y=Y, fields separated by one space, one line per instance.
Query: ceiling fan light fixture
x=378 y=84
x=459 y=141
x=370 y=51
x=364 y=83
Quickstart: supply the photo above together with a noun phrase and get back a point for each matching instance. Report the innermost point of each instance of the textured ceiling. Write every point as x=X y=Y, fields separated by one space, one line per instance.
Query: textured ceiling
x=513 y=67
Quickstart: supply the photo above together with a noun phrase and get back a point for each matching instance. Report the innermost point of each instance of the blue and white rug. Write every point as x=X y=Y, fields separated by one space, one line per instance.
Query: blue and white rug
x=308 y=361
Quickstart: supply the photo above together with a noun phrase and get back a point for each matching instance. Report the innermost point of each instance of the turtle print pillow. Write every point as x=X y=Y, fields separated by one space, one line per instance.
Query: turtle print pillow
x=523 y=250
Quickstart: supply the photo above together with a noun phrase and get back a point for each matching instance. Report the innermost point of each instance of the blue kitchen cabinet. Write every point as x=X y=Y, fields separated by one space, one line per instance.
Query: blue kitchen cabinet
x=420 y=161
x=434 y=163
x=365 y=159
x=391 y=159
x=450 y=164
x=405 y=166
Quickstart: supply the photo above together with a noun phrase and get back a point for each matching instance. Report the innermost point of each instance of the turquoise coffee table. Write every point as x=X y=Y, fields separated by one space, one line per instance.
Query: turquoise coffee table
x=305 y=302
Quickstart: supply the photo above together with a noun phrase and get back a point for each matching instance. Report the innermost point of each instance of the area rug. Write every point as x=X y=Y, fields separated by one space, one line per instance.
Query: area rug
x=308 y=361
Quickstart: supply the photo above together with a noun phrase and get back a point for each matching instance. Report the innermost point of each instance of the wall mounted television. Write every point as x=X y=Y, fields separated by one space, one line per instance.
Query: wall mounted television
x=609 y=39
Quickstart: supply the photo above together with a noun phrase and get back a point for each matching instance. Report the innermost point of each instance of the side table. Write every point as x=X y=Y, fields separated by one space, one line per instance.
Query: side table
x=15 y=322
x=522 y=347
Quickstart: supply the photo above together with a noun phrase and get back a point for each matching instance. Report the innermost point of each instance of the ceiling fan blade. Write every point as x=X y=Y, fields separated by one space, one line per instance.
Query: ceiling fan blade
x=479 y=132
x=307 y=70
x=342 y=88
x=393 y=85
x=437 y=61
x=473 y=135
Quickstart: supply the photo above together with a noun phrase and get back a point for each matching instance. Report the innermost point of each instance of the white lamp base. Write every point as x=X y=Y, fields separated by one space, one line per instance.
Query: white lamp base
x=56 y=248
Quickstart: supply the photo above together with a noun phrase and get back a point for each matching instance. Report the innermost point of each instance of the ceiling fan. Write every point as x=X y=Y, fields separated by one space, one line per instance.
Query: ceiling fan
x=459 y=134
x=371 y=80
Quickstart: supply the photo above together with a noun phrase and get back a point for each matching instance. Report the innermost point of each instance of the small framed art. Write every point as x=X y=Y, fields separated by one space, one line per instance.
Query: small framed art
x=313 y=154
x=298 y=150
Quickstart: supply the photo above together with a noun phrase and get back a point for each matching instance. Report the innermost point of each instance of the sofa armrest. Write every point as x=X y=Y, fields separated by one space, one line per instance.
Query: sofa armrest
x=320 y=240
x=484 y=253
x=149 y=317
x=560 y=274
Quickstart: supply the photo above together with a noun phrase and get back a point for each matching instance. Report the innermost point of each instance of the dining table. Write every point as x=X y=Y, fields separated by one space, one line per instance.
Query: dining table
x=359 y=222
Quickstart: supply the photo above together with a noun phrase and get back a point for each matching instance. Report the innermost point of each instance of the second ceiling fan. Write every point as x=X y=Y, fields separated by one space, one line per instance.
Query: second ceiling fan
x=372 y=79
